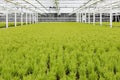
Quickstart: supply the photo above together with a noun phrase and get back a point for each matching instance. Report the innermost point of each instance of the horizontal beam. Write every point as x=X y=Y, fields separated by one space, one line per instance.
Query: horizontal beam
x=33 y=5
x=42 y=5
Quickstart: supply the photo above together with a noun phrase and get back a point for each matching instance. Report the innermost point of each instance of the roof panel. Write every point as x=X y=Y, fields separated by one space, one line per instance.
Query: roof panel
x=59 y=6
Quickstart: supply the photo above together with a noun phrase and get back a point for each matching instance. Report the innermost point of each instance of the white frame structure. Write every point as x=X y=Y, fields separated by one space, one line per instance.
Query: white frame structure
x=82 y=8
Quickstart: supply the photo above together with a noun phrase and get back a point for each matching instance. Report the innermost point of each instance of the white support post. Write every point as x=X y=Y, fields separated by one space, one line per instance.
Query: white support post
x=26 y=18
x=6 y=19
x=80 y=17
x=77 y=17
x=100 y=19
x=89 y=17
x=30 y=18
x=33 y=18
x=21 y=19
x=37 y=17
x=15 y=19
x=85 y=17
x=111 y=18
x=93 y=18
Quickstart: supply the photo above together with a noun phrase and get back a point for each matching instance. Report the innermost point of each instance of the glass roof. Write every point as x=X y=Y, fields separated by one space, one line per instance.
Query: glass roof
x=60 y=6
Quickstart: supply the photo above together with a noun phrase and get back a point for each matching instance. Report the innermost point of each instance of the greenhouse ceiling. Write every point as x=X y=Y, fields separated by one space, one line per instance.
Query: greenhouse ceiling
x=60 y=6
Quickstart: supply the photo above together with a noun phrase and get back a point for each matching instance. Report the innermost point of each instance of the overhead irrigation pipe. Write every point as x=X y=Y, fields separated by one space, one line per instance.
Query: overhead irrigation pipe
x=20 y=5
x=104 y=9
x=110 y=5
x=42 y=5
x=81 y=6
x=89 y=3
x=6 y=8
x=33 y=5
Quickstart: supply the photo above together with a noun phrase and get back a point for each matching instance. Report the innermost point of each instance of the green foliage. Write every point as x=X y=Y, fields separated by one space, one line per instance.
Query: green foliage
x=10 y=24
x=60 y=51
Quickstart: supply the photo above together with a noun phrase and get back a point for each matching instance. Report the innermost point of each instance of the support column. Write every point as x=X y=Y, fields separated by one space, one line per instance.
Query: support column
x=30 y=18
x=100 y=19
x=26 y=18
x=111 y=18
x=94 y=18
x=85 y=17
x=34 y=18
x=37 y=17
x=77 y=17
x=21 y=19
x=89 y=14
x=80 y=17
x=15 y=19
x=7 y=19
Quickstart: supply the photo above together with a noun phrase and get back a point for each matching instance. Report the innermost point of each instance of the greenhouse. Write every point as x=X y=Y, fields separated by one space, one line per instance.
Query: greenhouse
x=105 y=12
x=59 y=39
